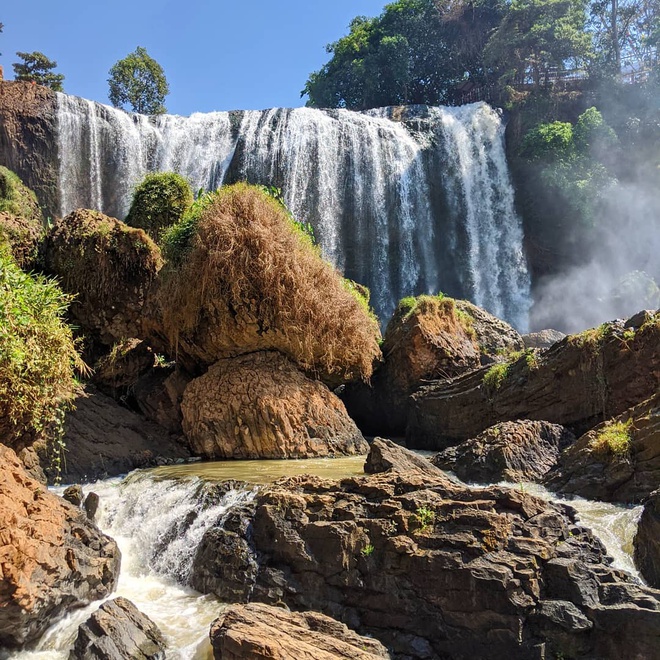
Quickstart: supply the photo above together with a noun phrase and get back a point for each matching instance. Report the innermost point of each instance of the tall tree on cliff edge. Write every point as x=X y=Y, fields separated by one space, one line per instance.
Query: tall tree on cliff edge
x=138 y=81
x=37 y=68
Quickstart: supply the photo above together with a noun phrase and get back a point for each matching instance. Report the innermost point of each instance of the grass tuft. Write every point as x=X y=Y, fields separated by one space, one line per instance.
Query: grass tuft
x=614 y=439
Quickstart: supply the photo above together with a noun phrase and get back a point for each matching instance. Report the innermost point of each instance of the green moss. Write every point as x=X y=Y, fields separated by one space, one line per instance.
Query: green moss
x=614 y=439
x=37 y=352
x=362 y=294
x=159 y=202
x=16 y=198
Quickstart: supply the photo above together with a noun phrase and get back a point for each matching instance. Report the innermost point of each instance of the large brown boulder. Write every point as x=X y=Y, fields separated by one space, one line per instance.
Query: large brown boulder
x=118 y=631
x=618 y=461
x=428 y=337
x=262 y=632
x=261 y=406
x=243 y=277
x=104 y=439
x=435 y=569
x=52 y=558
x=647 y=541
x=577 y=383
x=109 y=266
x=510 y=451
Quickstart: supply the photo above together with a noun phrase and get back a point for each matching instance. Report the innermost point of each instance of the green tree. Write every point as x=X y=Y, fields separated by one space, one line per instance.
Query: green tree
x=139 y=82
x=537 y=36
x=36 y=67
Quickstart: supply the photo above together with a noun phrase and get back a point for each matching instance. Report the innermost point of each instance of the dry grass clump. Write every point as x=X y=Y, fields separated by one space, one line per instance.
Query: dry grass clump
x=243 y=276
x=37 y=354
x=107 y=264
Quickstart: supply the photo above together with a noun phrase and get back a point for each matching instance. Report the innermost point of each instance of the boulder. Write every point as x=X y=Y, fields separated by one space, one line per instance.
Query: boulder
x=436 y=569
x=577 y=383
x=73 y=495
x=542 y=338
x=647 y=541
x=387 y=456
x=242 y=276
x=261 y=406
x=617 y=461
x=109 y=267
x=428 y=337
x=103 y=439
x=523 y=450
x=118 y=631
x=262 y=632
x=52 y=558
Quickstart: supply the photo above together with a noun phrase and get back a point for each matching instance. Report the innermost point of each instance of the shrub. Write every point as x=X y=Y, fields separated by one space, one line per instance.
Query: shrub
x=159 y=202
x=614 y=439
x=496 y=375
x=241 y=276
x=37 y=354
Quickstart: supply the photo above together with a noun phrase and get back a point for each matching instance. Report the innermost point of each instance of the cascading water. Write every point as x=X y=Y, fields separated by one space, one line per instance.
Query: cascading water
x=406 y=207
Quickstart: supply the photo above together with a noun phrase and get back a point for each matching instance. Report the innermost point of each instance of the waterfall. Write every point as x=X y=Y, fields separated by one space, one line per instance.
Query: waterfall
x=405 y=200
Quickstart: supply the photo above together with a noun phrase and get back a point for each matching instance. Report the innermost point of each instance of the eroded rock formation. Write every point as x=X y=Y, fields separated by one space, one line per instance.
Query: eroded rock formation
x=261 y=406
x=577 y=383
x=262 y=632
x=647 y=541
x=511 y=451
x=52 y=558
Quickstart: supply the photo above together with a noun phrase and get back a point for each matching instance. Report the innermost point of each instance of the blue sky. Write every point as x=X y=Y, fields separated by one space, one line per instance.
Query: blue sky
x=223 y=55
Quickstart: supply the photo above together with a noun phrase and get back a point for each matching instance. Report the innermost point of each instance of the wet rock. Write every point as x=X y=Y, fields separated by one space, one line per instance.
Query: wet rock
x=387 y=456
x=395 y=555
x=73 y=494
x=261 y=406
x=617 y=461
x=109 y=267
x=118 y=631
x=261 y=632
x=52 y=558
x=427 y=338
x=91 y=505
x=647 y=541
x=511 y=451
x=577 y=383
x=542 y=338
x=104 y=439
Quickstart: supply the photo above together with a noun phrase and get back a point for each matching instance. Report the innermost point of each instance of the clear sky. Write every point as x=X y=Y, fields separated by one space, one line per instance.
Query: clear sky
x=222 y=55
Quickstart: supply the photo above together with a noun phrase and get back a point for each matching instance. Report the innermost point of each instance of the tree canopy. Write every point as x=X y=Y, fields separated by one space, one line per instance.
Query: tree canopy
x=139 y=82
x=36 y=67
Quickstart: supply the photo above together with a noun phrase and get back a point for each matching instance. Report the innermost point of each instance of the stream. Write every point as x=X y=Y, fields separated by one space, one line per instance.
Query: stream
x=149 y=515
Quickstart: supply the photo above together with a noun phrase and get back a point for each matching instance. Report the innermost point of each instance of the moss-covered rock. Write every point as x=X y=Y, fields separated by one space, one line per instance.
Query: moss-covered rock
x=243 y=276
x=159 y=202
x=109 y=266
x=21 y=220
x=37 y=355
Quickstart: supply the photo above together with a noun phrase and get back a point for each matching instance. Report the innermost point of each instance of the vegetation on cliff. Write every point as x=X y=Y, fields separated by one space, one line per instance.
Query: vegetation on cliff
x=37 y=354
x=36 y=67
x=242 y=276
x=159 y=202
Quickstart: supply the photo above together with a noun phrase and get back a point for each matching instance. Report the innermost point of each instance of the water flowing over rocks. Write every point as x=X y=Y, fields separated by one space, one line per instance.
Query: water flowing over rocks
x=118 y=631
x=628 y=473
x=395 y=554
x=511 y=451
x=647 y=541
x=261 y=632
x=394 y=197
x=577 y=383
x=261 y=406
x=52 y=558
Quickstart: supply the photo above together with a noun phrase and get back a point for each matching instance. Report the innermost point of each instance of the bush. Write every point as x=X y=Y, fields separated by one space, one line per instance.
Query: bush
x=243 y=276
x=159 y=202
x=37 y=354
x=614 y=439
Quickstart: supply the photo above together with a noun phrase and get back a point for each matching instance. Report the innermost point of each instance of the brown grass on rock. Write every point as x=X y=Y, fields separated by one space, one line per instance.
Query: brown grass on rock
x=109 y=266
x=250 y=279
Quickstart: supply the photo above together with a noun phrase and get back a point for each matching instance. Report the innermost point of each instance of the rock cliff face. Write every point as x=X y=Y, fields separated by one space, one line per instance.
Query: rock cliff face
x=261 y=632
x=577 y=383
x=261 y=406
x=52 y=558
x=647 y=541
x=27 y=139
x=435 y=570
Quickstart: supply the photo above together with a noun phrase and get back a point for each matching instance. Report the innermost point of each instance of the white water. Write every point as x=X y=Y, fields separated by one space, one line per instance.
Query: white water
x=139 y=512
x=405 y=208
